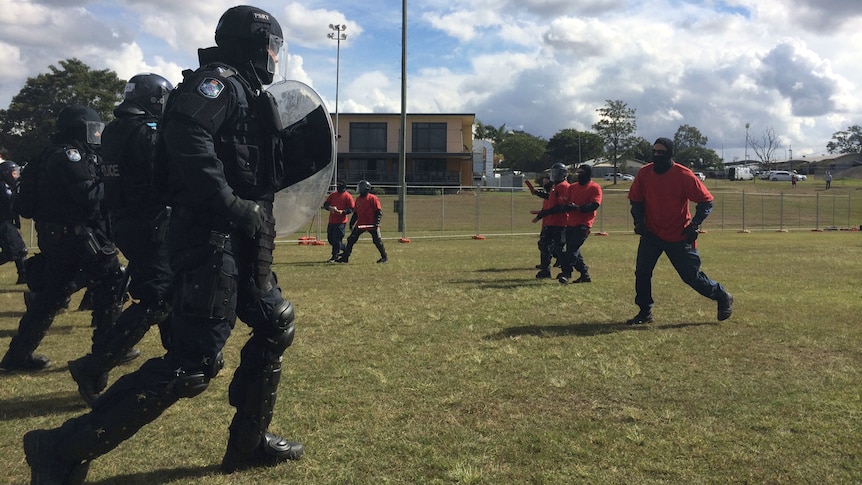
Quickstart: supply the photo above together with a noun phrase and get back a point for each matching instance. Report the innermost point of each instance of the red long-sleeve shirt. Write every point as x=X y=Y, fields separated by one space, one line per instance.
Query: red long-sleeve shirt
x=666 y=197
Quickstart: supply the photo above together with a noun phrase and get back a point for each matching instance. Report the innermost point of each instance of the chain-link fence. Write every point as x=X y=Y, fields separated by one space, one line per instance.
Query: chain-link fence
x=435 y=211
x=466 y=211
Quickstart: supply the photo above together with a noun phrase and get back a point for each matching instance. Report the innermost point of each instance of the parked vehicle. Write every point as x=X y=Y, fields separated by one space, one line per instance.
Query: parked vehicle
x=700 y=175
x=784 y=175
x=620 y=176
x=739 y=173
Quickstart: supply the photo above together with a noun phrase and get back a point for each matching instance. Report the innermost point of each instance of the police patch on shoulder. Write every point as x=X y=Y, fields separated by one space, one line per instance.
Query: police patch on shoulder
x=210 y=88
x=73 y=155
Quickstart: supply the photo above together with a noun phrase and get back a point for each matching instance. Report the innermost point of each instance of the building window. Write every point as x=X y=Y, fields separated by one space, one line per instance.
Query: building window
x=429 y=137
x=368 y=137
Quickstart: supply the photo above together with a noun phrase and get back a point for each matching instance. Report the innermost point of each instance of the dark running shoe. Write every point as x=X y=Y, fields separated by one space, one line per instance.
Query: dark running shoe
x=130 y=356
x=640 y=319
x=382 y=260
x=31 y=363
x=563 y=279
x=584 y=278
x=725 y=307
x=543 y=274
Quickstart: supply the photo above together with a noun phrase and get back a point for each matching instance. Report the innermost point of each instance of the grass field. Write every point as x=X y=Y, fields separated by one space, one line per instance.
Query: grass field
x=452 y=364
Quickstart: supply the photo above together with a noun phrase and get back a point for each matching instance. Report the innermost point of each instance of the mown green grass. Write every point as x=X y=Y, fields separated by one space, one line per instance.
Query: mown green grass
x=452 y=364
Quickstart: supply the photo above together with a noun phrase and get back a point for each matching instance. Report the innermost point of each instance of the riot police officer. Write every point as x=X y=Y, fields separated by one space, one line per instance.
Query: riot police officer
x=139 y=221
x=75 y=249
x=222 y=136
x=12 y=246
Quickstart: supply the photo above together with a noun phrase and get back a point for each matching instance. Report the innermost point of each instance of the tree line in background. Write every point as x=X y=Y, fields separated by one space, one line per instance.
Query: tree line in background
x=27 y=124
x=615 y=139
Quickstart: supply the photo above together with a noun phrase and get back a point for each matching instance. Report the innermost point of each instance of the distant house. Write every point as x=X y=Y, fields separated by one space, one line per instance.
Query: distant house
x=808 y=165
x=820 y=164
x=439 y=148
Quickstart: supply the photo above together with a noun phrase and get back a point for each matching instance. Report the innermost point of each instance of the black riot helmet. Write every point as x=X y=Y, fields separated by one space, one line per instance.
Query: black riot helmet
x=9 y=172
x=250 y=36
x=363 y=187
x=80 y=123
x=146 y=91
x=559 y=172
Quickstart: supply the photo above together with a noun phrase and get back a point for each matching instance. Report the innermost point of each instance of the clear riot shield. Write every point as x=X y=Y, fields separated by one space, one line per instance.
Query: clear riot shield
x=310 y=149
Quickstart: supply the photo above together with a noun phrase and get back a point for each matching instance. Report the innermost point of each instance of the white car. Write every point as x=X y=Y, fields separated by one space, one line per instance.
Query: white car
x=620 y=176
x=700 y=175
x=784 y=175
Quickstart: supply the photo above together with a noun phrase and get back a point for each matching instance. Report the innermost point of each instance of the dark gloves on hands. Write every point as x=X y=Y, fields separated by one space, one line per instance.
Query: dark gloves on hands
x=690 y=232
x=246 y=214
x=640 y=228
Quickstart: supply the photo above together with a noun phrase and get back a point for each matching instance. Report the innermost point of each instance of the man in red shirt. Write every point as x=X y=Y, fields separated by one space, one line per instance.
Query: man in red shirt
x=585 y=197
x=340 y=204
x=554 y=226
x=365 y=218
x=659 y=197
x=545 y=194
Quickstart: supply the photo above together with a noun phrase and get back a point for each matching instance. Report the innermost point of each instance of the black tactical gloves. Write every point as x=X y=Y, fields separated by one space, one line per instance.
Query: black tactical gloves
x=245 y=214
x=690 y=232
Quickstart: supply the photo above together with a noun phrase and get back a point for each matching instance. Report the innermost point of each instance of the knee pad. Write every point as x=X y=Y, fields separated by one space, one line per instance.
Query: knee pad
x=282 y=325
x=190 y=383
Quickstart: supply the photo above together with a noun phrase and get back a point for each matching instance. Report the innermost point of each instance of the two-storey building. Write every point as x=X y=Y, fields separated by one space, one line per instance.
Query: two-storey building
x=438 y=149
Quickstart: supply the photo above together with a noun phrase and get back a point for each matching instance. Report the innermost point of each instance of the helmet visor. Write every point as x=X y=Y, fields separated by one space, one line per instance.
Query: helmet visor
x=277 y=61
x=94 y=132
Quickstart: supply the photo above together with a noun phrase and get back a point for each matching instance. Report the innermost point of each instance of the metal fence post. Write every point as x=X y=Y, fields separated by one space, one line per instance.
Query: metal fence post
x=817 y=215
x=781 y=214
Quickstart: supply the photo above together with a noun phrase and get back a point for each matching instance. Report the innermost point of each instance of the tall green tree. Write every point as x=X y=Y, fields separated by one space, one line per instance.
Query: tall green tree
x=641 y=149
x=689 y=146
x=571 y=146
x=488 y=132
x=524 y=152
x=846 y=141
x=617 y=126
x=26 y=126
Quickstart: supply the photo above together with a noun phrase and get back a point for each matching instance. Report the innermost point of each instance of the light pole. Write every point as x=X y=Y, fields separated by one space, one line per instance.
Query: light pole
x=746 y=142
x=338 y=35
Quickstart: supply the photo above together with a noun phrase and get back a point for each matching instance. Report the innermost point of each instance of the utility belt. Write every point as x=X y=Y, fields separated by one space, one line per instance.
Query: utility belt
x=92 y=245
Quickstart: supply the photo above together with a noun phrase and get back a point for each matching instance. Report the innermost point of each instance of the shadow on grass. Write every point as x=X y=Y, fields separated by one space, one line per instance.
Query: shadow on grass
x=584 y=329
x=43 y=405
x=500 y=284
x=161 y=476
x=502 y=270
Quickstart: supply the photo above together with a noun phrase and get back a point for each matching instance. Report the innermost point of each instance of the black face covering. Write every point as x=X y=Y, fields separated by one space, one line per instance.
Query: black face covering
x=664 y=160
x=548 y=185
x=584 y=178
x=341 y=188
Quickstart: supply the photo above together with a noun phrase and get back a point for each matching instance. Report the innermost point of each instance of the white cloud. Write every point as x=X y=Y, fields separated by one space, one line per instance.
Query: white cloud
x=543 y=65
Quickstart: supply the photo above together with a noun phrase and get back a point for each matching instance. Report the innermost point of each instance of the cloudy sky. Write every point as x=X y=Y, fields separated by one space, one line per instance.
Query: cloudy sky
x=533 y=65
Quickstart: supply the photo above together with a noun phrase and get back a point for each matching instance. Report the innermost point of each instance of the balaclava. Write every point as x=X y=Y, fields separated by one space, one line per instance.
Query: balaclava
x=664 y=161
x=584 y=178
x=342 y=187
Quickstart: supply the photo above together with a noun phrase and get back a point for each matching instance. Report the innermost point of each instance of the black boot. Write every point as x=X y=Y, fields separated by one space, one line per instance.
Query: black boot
x=91 y=379
x=271 y=450
x=46 y=466
x=584 y=278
